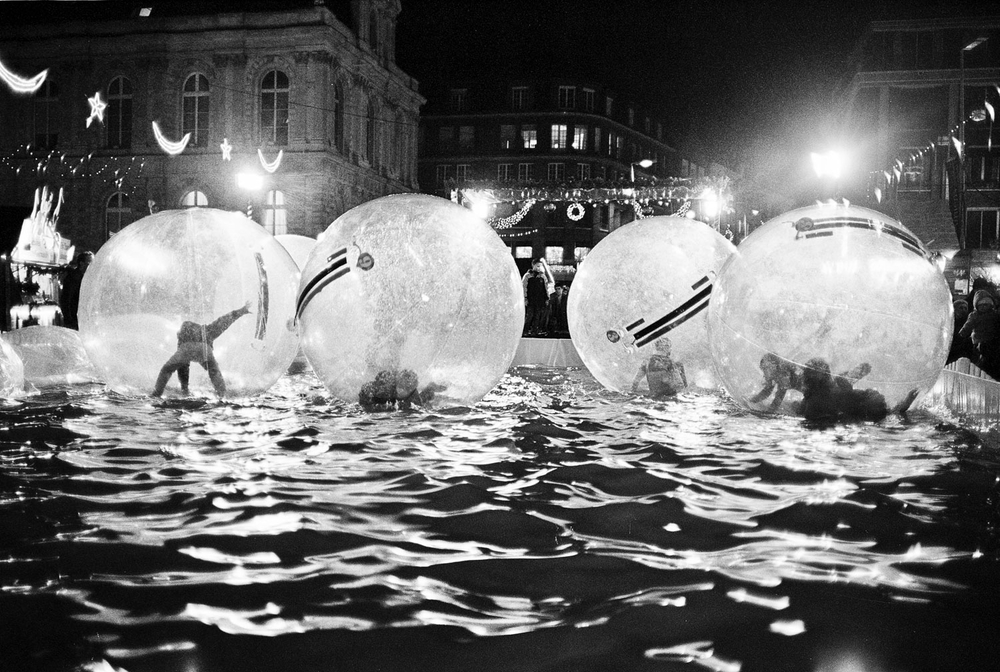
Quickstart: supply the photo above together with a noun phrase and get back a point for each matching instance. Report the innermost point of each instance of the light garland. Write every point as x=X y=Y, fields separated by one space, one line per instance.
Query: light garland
x=575 y=211
x=638 y=209
x=273 y=165
x=517 y=233
x=170 y=147
x=96 y=109
x=20 y=84
x=512 y=220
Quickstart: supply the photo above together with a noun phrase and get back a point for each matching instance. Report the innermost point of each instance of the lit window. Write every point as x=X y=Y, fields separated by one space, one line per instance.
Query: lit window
x=597 y=138
x=522 y=252
x=195 y=120
x=554 y=255
x=525 y=171
x=458 y=99
x=609 y=106
x=275 y=217
x=567 y=97
x=557 y=171
x=580 y=138
x=529 y=137
x=583 y=171
x=194 y=199
x=462 y=171
x=117 y=214
x=659 y=131
x=588 y=100
x=505 y=171
x=45 y=111
x=274 y=108
x=118 y=115
x=580 y=253
x=559 y=136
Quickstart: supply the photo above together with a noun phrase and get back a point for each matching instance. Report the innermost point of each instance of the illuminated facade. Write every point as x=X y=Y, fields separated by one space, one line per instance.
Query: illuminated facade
x=559 y=135
x=902 y=117
x=305 y=99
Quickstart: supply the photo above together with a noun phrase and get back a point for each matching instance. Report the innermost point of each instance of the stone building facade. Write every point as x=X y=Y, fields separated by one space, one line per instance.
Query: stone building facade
x=295 y=112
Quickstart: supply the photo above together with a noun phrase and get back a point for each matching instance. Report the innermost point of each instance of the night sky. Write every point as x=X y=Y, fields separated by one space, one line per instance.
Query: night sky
x=749 y=82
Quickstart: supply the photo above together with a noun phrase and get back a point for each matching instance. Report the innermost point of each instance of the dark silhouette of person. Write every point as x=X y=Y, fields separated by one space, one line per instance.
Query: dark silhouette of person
x=664 y=376
x=195 y=344
x=982 y=327
x=396 y=389
x=538 y=285
x=69 y=293
x=961 y=346
x=832 y=398
x=558 y=324
x=781 y=375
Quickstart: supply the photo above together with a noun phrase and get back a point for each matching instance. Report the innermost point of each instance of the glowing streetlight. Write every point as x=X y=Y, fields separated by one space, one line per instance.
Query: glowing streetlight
x=710 y=206
x=249 y=181
x=828 y=164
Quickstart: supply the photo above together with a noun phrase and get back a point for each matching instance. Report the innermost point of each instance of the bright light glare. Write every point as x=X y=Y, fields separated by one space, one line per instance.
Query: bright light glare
x=645 y=163
x=709 y=203
x=249 y=181
x=828 y=164
x=481 y=210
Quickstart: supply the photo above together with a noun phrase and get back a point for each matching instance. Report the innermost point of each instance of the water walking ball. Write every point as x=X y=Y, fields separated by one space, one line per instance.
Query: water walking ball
x=199 y=290
x=52 y=355
x=644 y=290
x=410 y=295
x=829 y=285
x=11 y=371
x=299 y=247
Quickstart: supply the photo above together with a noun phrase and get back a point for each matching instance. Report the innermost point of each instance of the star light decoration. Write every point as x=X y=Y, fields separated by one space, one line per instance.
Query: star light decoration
x=96 y=109
x=170 y=147
x=273 y=166
x=20 y=84
x=227 y=150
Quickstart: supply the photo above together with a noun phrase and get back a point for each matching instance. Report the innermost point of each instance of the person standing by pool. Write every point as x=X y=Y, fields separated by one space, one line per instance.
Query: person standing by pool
x=538 y=286
x=69 y=293
x=983 y=328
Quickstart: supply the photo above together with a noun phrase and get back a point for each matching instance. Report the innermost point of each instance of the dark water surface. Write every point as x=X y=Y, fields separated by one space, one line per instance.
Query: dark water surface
x=554 y=526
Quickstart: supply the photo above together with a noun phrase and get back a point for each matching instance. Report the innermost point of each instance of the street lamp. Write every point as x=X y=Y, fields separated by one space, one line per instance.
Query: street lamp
x=961 y=136
x=250 y=182
x=645 y=163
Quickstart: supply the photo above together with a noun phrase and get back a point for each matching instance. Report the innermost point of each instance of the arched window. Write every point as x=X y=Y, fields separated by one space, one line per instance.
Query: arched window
x=194 y=199
x=117 y=214
x=338 y=116
x=195 y=119
x=373 y=31
x=274 y=108
x=275 y=220
x=119 y=114
x=370 y=133
x=45 y=115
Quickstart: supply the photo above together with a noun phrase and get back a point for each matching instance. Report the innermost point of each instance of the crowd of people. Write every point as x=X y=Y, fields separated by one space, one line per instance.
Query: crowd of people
x=544 y=302
x=977 y=328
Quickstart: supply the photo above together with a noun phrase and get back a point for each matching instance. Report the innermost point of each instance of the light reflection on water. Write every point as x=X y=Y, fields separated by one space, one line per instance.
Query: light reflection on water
x=554 y=526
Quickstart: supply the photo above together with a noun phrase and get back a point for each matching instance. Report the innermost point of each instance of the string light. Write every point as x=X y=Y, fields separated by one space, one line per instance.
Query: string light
x=273 y=165
x=171 y=148
x=97 y=106
x=512 y=220
x=20 y=84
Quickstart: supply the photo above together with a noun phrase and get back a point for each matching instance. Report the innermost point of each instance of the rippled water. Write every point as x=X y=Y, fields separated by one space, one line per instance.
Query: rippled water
x=554 y=526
